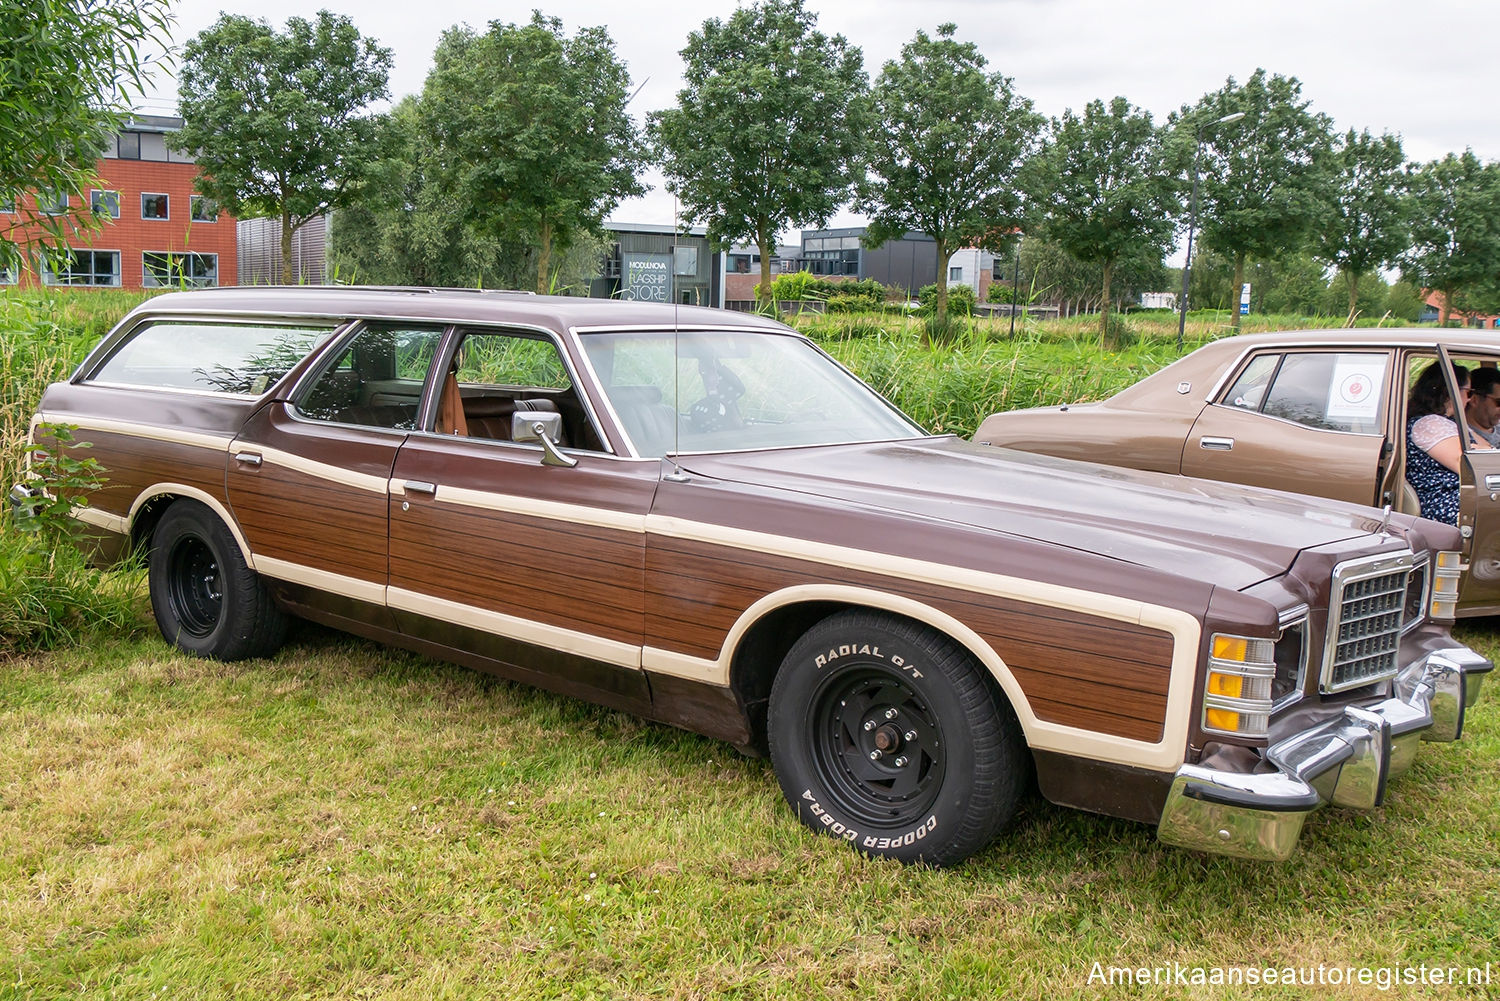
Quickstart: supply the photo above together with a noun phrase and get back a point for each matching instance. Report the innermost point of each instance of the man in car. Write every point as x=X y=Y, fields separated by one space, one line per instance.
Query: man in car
x=1483 y=408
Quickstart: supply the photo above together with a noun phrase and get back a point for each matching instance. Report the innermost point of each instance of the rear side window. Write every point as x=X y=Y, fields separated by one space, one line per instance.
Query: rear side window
x=238 y=358
x=1333 y=391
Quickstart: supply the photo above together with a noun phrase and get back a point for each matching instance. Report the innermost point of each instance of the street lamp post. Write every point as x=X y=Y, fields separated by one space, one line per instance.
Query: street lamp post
x=1015 y=290
x=1187 y=262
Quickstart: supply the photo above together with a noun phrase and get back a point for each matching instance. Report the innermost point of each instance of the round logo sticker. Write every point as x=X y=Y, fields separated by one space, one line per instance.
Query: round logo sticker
x=1355 y=389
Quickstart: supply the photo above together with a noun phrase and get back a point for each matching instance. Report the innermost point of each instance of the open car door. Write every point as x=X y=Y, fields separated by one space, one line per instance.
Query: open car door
x=1479 y=510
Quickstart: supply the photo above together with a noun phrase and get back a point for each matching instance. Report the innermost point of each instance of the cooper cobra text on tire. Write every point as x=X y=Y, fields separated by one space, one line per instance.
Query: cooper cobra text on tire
x=889 y=735
x=206 y=600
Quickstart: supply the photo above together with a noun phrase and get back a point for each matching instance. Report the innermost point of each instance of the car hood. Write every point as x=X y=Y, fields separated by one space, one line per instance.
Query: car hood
x=1220 y=533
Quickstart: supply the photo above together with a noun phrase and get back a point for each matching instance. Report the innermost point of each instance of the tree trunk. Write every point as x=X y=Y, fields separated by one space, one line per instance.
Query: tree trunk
x=1234 y=293
x=763 y=242
x=1104 y=306
x=286 y=248
x=1443 y=310
x=1353 y=278
x=544 y=257
x=940 y=309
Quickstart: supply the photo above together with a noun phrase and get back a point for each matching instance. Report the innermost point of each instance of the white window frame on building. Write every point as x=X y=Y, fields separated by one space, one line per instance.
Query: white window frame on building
x=57 y=206
x=178 y=269
x=166 y=205
x=90 y=276
x=8 y=275
x=202 y=208
x=110 y=200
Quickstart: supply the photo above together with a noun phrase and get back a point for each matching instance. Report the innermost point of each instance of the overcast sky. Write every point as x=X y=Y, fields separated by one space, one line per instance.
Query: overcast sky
x=1423 y=70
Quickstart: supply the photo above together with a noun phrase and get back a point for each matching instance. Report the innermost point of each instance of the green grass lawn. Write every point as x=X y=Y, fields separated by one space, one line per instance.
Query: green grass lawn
x=345 y=821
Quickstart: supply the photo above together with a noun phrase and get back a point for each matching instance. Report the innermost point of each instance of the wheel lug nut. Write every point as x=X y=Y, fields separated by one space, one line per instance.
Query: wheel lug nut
x=902 y=761
x=910 y=735
x=875 y=755
x=869 y=725
x=890 y=714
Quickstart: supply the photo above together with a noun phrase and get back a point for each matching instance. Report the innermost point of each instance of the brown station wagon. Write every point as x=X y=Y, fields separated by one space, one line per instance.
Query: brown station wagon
x=1319 y=412
x=699 y=517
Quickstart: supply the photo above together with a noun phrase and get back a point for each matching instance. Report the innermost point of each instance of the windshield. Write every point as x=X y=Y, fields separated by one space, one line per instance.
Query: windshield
x=716 y=391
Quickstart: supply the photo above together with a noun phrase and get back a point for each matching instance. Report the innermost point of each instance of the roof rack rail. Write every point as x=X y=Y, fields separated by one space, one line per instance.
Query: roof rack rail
x=368 y=288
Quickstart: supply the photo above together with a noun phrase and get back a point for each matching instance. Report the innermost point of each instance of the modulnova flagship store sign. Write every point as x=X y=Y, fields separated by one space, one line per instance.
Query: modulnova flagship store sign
x=648 y=277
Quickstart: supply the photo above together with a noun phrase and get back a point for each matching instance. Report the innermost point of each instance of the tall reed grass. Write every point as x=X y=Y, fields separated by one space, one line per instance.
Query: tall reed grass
x=48 y=594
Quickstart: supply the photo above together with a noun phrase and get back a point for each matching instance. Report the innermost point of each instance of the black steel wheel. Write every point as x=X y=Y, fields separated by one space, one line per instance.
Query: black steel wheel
x=194 y=589
x=877 y=746
x=206 y=600
x=891 y=736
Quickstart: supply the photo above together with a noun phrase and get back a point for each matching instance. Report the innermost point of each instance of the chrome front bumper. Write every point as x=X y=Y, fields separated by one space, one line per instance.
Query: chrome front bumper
x=1346 y=761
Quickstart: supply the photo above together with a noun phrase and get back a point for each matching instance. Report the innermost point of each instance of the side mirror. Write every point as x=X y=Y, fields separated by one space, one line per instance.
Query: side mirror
x=543 y=427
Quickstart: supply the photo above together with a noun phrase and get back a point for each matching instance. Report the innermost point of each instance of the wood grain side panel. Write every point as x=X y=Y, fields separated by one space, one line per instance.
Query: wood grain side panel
x=294 y=516
x=132 y=464
x=575 y=577
x=1076 y=669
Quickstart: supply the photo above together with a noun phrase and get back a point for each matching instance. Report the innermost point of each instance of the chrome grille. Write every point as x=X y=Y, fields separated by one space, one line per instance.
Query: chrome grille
x=1366 y=614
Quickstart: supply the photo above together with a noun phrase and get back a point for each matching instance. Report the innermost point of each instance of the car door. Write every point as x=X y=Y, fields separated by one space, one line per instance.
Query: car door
x=1308 y=421
x=493 y=554
x=1479 y=512
x=308 y=476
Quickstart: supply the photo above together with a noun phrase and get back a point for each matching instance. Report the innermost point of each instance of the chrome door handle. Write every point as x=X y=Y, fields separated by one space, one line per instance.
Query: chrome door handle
x=1492 y=482
x=1216 y=444
x=420 y=487
x=247 y=458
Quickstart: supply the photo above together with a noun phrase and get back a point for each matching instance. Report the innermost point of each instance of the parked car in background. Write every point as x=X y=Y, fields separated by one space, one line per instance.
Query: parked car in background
x=700 y=517
x=1320 y=412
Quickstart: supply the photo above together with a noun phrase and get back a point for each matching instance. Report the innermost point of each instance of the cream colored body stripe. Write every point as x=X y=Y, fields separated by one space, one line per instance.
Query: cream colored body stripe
x=352 y=587
x=154 y=432
x=101 y=519
x=576 y=514
x=320 y=470
x=569 y=641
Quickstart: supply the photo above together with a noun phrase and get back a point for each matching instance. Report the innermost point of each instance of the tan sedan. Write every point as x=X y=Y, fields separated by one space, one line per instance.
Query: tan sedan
x=1318 y=412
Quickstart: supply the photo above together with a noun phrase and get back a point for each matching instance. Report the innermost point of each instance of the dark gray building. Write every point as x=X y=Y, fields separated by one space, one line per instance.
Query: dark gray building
x=908 y=263
x=657 y=263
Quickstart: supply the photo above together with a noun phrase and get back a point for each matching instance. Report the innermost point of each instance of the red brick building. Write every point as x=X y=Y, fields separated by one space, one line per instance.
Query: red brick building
x=157 y=232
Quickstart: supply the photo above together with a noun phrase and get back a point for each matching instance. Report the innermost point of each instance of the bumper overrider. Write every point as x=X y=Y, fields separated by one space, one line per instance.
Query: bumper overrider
x=1345 y=761
x=24 y=501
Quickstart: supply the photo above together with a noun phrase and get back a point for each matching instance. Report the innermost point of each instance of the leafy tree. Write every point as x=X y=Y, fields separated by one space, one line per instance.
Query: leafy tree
x=1404 y=301
x=529 y=127
x=1106 y=187
x=1265 y=178
x=274 y=120
x=1290 y=283
x=946 y=153
x=1050 y=274
x=67 y=73
x=1368 y=297
x=769 y=131
x=1367 y=228
x=1455 y=226
x=408 y=227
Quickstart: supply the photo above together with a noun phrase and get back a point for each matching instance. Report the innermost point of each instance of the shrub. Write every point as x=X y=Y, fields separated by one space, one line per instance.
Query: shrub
x=1000 y=293
x=960 y=299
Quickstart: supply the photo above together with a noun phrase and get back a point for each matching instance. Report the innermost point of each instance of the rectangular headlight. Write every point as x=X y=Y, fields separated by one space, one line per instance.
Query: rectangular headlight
x=1237 y=695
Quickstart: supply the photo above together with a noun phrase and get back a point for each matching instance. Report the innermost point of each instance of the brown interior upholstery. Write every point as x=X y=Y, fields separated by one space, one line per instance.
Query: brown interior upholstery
x=450 y=418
